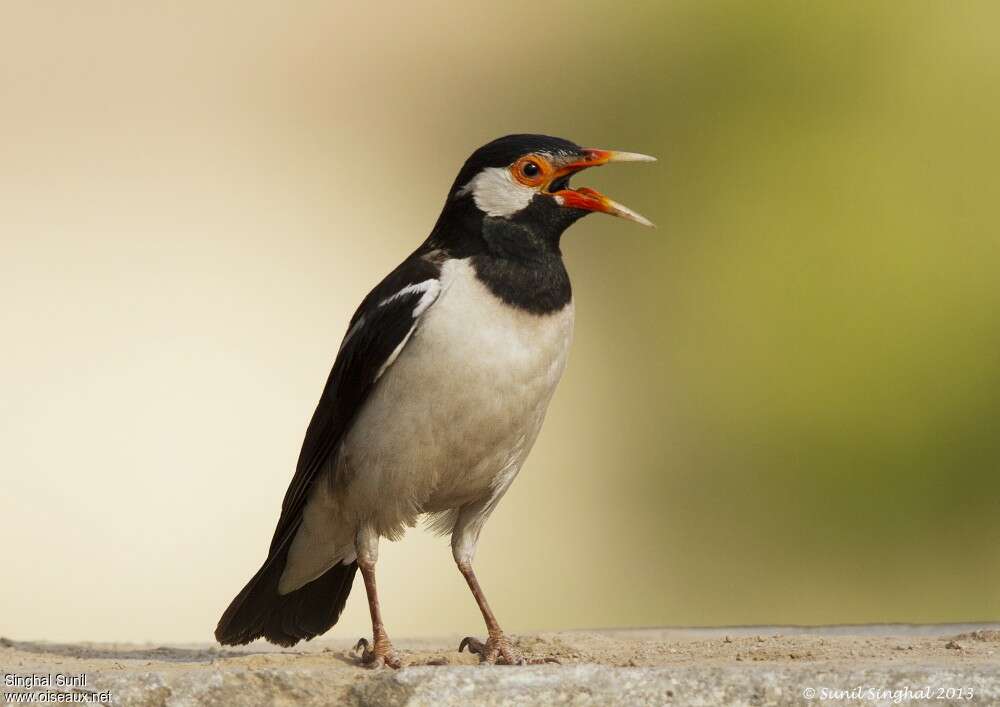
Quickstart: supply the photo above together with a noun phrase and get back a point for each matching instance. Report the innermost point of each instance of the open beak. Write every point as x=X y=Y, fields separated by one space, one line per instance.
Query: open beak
x=591 y=199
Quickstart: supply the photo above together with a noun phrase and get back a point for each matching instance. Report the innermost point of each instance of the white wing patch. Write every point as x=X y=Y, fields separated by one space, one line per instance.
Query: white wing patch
x=395 y=352
x=496 y=193
x=430 y=289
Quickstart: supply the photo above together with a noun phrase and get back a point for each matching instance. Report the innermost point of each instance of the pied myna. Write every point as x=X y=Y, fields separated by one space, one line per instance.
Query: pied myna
x=436 y=396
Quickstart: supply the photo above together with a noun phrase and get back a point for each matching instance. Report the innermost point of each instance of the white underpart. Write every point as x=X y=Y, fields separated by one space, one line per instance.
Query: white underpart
x=497 y=193
x=447 y=427
x=395 y=353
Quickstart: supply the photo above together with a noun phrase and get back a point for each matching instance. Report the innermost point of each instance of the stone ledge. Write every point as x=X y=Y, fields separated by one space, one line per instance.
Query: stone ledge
x=762 y=666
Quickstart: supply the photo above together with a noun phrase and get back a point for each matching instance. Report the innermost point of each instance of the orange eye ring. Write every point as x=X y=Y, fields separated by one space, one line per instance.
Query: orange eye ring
x=531 y=170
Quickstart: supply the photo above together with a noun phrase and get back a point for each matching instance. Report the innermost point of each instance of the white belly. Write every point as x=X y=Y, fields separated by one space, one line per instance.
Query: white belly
x=454 y=417
x=449 y=422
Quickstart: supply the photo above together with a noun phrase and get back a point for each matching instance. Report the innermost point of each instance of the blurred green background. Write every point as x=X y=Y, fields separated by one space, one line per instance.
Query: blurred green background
x=781 y=406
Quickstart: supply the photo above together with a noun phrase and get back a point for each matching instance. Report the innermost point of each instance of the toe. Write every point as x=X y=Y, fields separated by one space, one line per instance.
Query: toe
x=508 y=656
x=543 y=661
x=379 y=655
x=474 y=645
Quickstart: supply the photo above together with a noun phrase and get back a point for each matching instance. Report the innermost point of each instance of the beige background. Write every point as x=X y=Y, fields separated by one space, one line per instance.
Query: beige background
x=781 y=405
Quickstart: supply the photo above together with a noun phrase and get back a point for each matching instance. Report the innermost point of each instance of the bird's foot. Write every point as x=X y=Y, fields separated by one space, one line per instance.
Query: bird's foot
x=379 y=655
x=498 y=651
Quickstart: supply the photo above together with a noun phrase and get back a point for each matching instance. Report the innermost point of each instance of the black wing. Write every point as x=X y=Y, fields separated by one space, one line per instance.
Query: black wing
x=378 y=329
x=381 y=324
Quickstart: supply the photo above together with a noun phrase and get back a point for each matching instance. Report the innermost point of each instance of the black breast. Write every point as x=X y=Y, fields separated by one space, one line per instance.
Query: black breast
x=518 y=258
x=541 y=287
x=523 y=266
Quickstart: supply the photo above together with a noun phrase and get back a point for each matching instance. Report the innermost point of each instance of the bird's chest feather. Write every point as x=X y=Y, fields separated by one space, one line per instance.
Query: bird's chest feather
x=499 y=351
x=463 y=403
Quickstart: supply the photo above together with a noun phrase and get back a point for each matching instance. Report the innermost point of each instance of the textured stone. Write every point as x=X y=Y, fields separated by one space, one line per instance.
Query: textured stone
x=680 y=667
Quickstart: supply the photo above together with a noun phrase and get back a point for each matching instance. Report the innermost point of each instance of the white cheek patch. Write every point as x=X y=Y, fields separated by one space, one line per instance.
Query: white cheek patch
x=496 y=193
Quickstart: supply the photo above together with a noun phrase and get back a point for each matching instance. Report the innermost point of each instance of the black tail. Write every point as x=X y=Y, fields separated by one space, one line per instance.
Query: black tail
x=259 y=611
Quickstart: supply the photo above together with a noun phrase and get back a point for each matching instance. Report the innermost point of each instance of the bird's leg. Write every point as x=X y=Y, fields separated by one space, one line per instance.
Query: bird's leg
x=380 y=652
x=497 y=649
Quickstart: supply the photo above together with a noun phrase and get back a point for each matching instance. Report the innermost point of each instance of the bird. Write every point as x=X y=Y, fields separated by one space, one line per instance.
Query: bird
x=435 y=398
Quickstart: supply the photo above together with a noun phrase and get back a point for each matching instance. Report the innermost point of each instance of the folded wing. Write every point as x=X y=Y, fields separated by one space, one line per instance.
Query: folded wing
x=377 y=334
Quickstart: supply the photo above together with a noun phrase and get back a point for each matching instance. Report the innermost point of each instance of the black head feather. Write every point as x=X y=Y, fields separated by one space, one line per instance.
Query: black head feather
x=518 y=257
x=505 y=150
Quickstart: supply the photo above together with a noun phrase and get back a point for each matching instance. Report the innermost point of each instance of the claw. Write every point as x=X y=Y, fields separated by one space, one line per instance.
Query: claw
x=499 y=651
x=377 y=656
x=474 y=645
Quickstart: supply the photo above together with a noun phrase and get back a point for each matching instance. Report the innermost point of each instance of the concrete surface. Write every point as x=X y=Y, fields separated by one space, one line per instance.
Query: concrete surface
x=869 y=665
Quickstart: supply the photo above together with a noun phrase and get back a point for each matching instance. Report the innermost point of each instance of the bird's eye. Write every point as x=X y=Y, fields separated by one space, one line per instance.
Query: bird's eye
x=530 y=170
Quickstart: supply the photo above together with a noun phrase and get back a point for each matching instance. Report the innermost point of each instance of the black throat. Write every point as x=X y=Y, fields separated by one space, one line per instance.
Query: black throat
x=518 y=259
x=522 y=269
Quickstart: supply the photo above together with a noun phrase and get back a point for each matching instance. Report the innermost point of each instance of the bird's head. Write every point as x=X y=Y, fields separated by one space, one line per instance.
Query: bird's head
x=524 y=179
